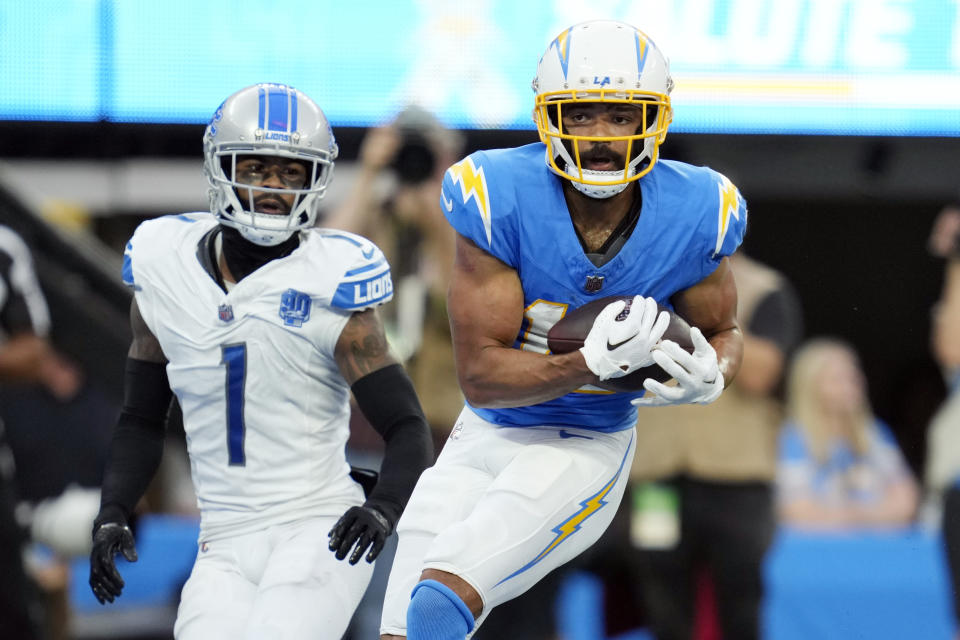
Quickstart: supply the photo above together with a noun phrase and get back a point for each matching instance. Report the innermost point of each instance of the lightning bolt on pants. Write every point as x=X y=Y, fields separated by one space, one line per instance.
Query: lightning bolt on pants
x=503 y=506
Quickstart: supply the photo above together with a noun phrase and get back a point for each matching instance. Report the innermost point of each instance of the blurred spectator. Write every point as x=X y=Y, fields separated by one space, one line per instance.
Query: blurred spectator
x=26 y=356
x=944 y=241
x=394 y=201
x=703 y=476
x=840 y=467
x=942 y=472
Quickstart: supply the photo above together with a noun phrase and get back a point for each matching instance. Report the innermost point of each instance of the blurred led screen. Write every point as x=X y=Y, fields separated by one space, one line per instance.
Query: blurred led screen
x=853 y=67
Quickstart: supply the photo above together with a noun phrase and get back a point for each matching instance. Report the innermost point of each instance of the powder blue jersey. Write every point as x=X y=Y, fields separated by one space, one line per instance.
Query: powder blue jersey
x=511 y=205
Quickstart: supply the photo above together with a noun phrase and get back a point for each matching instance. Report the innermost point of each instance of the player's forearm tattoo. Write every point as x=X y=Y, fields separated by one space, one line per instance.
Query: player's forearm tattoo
x=368 y=353
x=363 y=347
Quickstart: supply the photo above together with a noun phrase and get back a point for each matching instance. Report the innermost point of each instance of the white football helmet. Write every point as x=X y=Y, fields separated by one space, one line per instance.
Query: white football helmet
x=602 y=61
x=267 y=120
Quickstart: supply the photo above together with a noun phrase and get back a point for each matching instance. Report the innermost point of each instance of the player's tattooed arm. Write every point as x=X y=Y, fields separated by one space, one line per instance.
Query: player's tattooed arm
x=145 y=345
x=385 y=395
x=362 y=347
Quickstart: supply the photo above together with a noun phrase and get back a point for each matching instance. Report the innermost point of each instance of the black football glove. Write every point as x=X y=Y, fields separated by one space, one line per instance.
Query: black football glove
x=109 y=538
x=361 y=526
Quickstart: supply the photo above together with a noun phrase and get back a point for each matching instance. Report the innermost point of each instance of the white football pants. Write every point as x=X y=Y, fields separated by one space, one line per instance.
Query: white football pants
x=282 y=583
x=503 y=506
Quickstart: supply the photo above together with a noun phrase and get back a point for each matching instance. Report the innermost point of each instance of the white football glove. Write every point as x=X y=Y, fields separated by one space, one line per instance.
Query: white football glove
x=614 y=348
x=698 y=374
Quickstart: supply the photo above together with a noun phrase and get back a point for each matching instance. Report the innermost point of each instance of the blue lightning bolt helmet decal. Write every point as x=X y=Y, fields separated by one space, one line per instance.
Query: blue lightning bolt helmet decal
x=572 y=524
x=562 y=44
x=641 y=53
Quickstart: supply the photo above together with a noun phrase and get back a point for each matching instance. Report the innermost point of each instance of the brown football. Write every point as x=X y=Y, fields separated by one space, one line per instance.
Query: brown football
x=569 y=333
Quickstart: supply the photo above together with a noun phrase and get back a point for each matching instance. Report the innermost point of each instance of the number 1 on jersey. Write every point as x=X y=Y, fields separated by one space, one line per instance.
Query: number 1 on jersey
x=235 y=359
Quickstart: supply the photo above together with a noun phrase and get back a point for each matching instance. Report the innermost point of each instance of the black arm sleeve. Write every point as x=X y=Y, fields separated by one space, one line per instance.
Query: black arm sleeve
x=137 y=445
x=389 y=402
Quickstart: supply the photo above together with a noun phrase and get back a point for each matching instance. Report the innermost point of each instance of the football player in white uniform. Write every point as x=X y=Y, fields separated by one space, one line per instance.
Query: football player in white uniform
x=262 y=325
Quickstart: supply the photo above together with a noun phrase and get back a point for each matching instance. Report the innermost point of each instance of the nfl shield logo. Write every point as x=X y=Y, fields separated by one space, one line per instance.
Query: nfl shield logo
x=225 y=312
x=593 y=284
x=294 y=308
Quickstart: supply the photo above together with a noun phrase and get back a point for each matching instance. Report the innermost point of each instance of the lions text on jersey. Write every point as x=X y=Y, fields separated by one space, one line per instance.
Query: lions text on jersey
x=266 y=410
x=509 y=204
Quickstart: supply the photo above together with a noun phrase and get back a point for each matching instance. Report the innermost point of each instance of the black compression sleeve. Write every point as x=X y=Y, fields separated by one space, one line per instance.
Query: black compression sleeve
x=389 y=402
x=137 y=445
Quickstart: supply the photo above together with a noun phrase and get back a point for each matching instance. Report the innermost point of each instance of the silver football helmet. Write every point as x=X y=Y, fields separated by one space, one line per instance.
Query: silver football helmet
x=267 y=120
x=610 y=62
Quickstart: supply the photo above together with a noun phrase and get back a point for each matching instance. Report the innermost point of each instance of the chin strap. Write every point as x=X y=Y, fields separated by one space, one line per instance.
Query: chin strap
x=599 y=191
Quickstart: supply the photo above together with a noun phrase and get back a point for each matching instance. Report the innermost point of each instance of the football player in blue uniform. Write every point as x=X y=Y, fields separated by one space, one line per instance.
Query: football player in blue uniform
x=262 y=325
x=537 y=463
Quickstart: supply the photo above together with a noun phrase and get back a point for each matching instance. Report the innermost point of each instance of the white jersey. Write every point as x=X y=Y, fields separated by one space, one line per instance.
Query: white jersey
x=265 y=408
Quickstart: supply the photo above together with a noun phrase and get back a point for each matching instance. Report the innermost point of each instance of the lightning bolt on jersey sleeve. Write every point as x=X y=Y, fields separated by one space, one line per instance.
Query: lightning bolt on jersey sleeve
x=707 y=212
x=472 y=202
x=731 y=217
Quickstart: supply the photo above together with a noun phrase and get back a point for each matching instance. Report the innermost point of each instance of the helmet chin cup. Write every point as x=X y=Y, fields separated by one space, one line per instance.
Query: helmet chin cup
x=600 y=192
x=591 y=187
x=263 y=238
x=258 y=236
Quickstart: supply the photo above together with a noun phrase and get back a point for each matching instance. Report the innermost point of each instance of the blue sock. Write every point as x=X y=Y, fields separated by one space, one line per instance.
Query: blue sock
x=437 y=613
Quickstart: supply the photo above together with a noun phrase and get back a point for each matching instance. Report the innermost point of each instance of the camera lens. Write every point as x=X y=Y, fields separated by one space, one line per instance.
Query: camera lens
x=415 y=161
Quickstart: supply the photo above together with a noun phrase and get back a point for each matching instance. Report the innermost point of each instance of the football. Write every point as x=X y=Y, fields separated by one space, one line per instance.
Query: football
x=569 y=333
